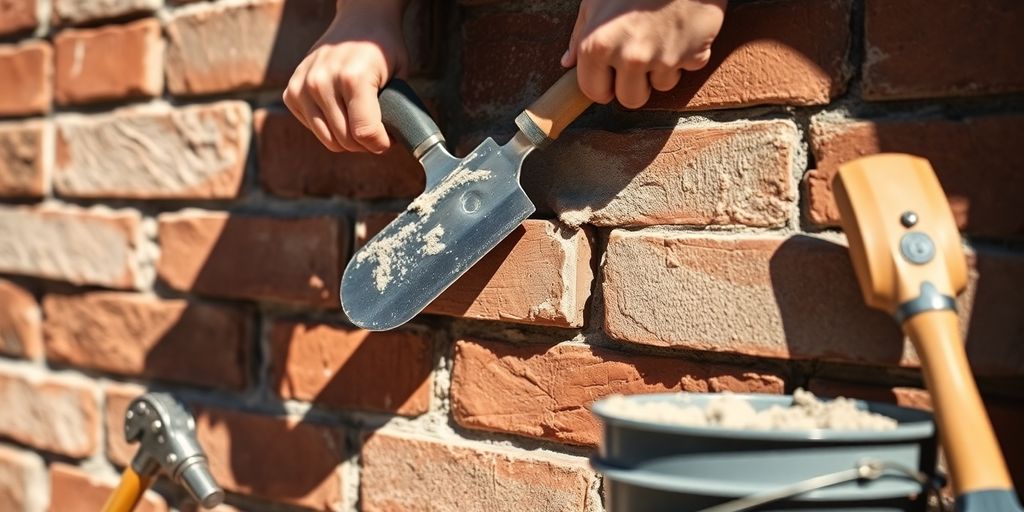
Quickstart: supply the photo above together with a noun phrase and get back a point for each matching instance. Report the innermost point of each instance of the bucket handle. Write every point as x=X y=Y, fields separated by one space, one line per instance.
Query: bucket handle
x=867 y=469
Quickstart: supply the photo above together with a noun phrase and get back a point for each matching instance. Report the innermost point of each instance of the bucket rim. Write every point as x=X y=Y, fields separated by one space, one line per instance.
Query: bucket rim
x=920 y=426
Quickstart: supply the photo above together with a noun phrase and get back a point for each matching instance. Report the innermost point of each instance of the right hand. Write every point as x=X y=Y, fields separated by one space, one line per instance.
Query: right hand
x=333 y=91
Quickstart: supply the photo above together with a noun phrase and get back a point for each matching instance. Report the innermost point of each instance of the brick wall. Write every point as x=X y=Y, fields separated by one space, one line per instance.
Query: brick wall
x=165 y=224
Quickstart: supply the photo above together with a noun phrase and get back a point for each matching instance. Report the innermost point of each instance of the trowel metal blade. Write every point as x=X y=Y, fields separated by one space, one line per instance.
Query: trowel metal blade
x=431 y=244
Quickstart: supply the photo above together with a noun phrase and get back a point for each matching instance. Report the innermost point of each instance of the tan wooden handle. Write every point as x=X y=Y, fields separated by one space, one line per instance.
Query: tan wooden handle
x=975 y=460
x=128 y=492
x=558 y=106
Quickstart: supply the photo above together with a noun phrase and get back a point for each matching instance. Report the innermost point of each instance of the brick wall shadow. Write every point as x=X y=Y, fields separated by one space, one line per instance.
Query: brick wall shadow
x=821 y=308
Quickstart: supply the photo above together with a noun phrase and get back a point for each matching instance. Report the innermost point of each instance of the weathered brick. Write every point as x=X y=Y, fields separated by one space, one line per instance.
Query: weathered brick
x=794 y=297
x=117 y=397
x=368 y=225
x=194 y=152
x=18 y=16
x=548 y=267
x=76 y=490
x=293 y=163
x=909 y=51
x=81 y=246
x=402 y=472
x=1006 y=416
x=510 y=58
x=792 y=52
x=26 y=88
x=22 y=477
x=77 y=11
x=975 y=159
x=250 y=453
x=728 y=173
x=109 y=63
x=545 y=391
x=133 y=334
x=263 y=258
x=20 y=322
x=223 y=47
x=344 y=367
x=53 y=413
x=26 y=150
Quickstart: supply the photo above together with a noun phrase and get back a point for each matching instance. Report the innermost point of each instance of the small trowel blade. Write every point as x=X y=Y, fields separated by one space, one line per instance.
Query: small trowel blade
x=442 y=233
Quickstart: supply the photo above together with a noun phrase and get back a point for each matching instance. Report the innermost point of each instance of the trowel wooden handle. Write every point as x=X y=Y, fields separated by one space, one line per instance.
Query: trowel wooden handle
x=554 y=110
x=975 y=460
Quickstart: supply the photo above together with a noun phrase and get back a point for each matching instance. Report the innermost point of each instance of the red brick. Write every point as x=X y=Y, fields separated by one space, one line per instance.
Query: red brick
x=722 y=174
x=25 y=158
x=216 y=48
x=20 y=323
x=975 y=159
x=51 y=413
x=76 y=490
x=293 y=163
x=77 y=245
x=26 y=87
x=1006 y=416
x=22 y=479
x=403 y=472
x=545 y=391
x=138 y=335
x=109 y=63
x=344 y=367
x=934 y=49
x=117 y=398
x=77 y=11
x=510 y=58
x=249 y=453
x=547 y=266
x=788 y=297
x=194 y=152
x=282 y=460
x=262 y=258
x=18 y=16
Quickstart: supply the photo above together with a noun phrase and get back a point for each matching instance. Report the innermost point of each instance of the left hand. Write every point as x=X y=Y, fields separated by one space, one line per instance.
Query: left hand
x=624 y=48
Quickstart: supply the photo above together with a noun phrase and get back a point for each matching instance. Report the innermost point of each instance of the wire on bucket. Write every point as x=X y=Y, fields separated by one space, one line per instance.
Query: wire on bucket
x=867 y=469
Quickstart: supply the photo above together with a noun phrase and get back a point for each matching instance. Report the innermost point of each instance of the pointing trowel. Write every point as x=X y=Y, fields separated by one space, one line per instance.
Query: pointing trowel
x=469 y=205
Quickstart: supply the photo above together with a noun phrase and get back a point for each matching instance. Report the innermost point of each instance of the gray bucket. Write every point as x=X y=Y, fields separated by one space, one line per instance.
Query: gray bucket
x=656 y=467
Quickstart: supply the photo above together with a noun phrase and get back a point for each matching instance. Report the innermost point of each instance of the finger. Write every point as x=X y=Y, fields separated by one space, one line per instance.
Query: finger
x=631 y=86
x=311 y=117
x=665 y=78
x=697 y=61
x=569 y=57
x=595 y=78
x=364 y=118
x=330 y=110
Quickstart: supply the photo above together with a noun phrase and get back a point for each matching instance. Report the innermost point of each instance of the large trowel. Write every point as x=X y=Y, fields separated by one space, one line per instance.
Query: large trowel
x=467 y=208
x=906 y=252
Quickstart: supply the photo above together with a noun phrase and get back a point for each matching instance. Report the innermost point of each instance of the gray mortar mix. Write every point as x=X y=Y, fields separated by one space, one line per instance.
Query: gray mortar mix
x=391 y=253
x=729 y=411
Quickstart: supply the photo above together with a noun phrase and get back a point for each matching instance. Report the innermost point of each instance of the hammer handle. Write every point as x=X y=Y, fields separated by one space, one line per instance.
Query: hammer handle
x=557 y=107
x=128 y=492
x=975 y=460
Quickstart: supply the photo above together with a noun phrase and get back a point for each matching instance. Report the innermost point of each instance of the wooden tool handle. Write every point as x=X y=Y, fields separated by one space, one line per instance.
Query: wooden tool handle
x=555 y=109
x=975 y=460
x=128 y=492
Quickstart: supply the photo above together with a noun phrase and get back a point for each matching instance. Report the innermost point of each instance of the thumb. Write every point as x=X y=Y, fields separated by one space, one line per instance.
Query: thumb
x=569 y=57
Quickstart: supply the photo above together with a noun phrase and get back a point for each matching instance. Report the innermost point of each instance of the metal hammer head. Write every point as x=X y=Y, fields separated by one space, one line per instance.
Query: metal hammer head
x=166 y=433
x=903 y=239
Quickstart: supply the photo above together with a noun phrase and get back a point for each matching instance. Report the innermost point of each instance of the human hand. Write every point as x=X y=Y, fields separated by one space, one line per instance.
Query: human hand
x=624 y=48
x=333 y=91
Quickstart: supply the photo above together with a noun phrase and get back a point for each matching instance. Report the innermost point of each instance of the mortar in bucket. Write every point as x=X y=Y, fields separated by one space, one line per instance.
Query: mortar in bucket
x=652 y=466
